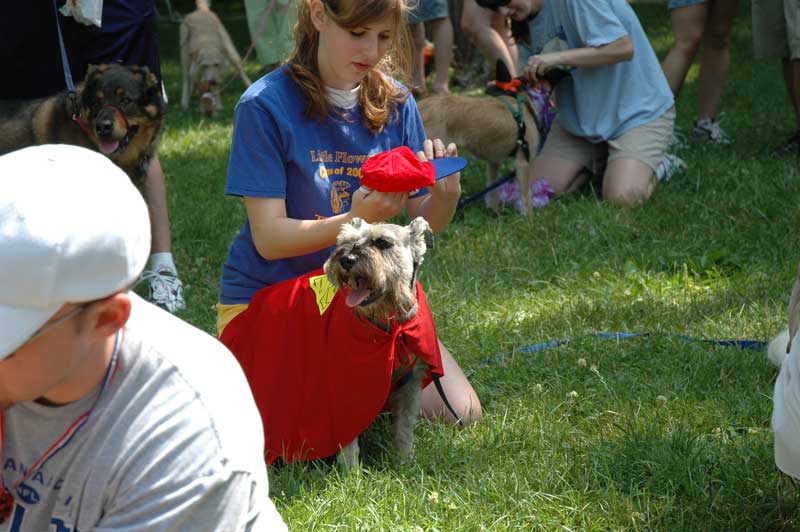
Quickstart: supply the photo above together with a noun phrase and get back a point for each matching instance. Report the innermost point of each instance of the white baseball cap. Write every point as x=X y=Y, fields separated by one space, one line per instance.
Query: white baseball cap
x=73 y=228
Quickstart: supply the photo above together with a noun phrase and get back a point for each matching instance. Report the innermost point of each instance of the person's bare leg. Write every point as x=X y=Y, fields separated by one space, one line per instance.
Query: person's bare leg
x=565 y=176
x=688 y=24
x=477 y=24
x=418 y=69
x=442 y=31
x=166 y=289
x=459 y=392
x=501 y=26
x=155 y=195
x=716 y=58
x=791 y=76
x=628 y=182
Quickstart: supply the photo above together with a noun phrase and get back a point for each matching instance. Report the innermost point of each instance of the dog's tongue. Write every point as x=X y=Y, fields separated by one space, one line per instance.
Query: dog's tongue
x=355 y=297
x=108 y=147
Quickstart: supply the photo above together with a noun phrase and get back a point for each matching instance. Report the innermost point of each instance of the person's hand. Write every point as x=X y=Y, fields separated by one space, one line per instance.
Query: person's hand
x=449 y=188
x=373 y=206
x=539 y=64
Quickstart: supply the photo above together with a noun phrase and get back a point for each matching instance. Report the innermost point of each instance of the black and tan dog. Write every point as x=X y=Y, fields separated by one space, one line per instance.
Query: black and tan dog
x=118 y=110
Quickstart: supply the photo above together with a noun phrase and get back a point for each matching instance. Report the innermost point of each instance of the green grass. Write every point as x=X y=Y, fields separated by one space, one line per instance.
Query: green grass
x=712 y=255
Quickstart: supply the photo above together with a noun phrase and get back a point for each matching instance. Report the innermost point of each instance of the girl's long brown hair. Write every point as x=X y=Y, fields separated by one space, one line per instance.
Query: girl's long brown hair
x=379 y=95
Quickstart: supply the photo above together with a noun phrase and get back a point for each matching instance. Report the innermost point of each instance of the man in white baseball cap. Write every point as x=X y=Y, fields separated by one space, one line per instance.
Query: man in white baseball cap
x=114 y=414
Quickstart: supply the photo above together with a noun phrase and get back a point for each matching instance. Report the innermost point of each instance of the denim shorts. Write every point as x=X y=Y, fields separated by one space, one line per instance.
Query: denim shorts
x=428 y=10
x=674 y=4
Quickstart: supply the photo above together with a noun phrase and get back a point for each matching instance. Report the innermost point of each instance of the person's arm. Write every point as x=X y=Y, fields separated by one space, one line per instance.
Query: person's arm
x=277 y=236
x=586 y=57
x=439 y=206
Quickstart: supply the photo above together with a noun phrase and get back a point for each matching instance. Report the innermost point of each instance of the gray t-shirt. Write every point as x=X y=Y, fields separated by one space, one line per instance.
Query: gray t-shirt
x=602 y=103
x=174 y=443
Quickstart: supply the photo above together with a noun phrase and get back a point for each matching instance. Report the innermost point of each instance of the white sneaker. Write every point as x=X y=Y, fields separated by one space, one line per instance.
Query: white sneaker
x=166 y=290
x=711 y=131
x=669 y=165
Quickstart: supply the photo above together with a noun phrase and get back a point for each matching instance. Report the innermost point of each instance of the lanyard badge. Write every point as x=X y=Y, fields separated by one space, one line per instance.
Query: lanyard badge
x=6 y=496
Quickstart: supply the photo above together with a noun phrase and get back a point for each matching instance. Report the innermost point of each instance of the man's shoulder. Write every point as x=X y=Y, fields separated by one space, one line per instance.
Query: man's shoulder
x=196 y=384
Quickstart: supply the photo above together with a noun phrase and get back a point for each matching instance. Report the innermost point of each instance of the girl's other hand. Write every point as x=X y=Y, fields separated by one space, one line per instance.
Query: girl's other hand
x=449 y=188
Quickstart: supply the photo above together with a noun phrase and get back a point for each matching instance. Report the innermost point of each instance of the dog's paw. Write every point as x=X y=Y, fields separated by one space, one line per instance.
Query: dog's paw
x=347 y=458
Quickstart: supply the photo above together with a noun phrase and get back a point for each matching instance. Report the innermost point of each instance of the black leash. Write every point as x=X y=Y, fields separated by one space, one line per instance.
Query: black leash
x=65 y=63
x=437 y=381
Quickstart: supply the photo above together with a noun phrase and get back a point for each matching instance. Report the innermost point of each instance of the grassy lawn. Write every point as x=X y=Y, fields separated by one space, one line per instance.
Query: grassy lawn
x=576 y=437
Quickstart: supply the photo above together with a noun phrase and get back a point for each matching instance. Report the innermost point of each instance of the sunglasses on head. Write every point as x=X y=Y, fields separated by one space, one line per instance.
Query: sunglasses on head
x=492 y=4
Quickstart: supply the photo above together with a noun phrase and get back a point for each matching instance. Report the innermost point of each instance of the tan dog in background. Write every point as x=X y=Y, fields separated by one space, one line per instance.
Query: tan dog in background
x=207 y=53
x=484 y=126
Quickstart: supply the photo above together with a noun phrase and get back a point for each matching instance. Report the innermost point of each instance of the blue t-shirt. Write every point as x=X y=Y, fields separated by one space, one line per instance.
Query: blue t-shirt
x=602 y=103
x=278 y=152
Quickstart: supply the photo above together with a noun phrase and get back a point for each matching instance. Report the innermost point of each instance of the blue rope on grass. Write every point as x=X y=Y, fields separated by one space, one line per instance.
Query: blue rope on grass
x=478 y=195
x=752 y=345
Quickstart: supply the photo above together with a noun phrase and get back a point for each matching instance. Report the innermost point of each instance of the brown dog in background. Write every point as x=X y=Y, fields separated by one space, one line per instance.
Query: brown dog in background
x=484 y=126
x=118 y=110
x=207 y=53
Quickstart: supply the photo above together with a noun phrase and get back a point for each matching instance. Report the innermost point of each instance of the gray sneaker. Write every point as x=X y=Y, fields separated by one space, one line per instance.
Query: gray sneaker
x=678 y=140
x=669 y=165
x=166 y=290
x=710 y=130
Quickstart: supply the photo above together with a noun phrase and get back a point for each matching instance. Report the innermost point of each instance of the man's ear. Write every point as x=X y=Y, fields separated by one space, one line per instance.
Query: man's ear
x=106 y=316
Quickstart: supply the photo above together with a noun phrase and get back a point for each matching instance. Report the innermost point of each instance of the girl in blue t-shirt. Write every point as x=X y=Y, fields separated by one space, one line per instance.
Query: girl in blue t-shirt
x=300 y=135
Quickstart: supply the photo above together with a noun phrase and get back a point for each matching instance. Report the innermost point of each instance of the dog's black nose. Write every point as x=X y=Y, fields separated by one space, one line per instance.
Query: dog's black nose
x=104 y=128
x=347 y=261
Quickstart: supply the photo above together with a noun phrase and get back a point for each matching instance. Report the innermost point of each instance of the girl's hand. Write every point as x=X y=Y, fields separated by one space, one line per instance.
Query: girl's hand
x=373 y=206
x=449 y=188
x=538 y=65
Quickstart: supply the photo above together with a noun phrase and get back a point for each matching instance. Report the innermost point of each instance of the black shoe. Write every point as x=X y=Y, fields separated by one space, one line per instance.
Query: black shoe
x=790 y=147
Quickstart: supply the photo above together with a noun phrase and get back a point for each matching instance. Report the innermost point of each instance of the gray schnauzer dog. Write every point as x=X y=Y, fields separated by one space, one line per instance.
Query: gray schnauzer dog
x=376 y=266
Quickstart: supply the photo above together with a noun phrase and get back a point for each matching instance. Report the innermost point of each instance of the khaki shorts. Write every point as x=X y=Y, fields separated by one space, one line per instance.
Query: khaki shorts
x=776 y=29
x=646 y=143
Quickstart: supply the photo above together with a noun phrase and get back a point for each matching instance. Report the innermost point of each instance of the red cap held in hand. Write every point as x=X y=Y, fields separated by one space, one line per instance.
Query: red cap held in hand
x=399 y=170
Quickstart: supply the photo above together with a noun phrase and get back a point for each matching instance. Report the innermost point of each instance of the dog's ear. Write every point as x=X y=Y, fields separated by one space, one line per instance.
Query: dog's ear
x=350 y=230
x=420 y=237
x=153 y=96
x=91 y=84
x=501 y=72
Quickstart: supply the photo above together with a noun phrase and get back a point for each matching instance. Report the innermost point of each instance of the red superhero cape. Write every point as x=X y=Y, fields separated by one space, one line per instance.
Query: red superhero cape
x=319 y=374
